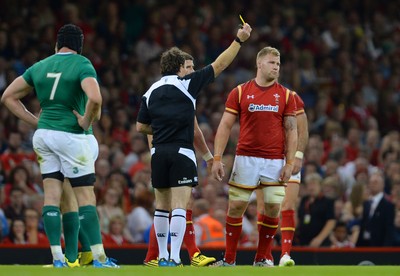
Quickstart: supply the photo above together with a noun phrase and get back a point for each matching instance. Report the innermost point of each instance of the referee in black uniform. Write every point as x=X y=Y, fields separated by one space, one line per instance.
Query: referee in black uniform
x=167 y=112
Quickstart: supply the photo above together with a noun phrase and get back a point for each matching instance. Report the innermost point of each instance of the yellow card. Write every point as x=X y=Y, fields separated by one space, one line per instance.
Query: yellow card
x=241 y=18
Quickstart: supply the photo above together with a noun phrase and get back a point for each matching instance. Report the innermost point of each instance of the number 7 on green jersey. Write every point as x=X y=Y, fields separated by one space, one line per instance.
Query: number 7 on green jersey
x=57 y=77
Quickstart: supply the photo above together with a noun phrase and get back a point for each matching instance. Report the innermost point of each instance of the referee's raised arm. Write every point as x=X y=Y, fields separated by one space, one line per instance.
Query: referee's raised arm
x=227 y=56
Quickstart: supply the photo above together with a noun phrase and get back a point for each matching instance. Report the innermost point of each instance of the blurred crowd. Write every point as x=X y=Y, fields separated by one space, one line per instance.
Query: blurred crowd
x=342 y=57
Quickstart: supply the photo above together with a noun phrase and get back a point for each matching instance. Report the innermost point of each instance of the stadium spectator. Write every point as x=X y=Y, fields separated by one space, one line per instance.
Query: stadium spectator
x=209 y=231
x=16 y=208
x=14 y=155
x=116 y=234
x=353 y=209
x=17 y=233
x=392 y=175
x=377 y=221
x=316 y=218
x=34 y=235
x=19 y=178
x=103 y=169
x=120 y=182
x=397 y=228
x=110 y=206
x=340 y=237
x=140 y=219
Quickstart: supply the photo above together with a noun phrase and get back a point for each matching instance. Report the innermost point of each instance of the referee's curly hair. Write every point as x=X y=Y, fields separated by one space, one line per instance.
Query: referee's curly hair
x=171 y=61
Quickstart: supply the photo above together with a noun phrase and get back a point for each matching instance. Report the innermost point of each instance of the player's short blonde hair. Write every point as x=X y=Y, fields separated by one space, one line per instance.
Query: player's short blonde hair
x=268 y=50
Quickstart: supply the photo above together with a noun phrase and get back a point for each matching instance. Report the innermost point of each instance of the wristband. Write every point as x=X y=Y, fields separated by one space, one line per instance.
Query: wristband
x=299 y=154
x=207 y=156
x=238 y=40
x=289 y=162
x=217 y=157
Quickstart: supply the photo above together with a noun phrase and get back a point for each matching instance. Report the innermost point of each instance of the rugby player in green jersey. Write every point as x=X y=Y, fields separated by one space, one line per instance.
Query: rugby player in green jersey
x=63 y=83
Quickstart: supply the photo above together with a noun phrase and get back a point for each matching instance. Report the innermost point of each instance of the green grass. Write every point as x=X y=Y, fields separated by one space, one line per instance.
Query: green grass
x=130 y=270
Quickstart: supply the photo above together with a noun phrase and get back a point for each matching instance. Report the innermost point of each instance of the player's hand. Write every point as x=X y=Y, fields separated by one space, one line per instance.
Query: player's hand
x=286 y=173
x=209 y=165
x=244 y=33
x=298 y=163
x=218 y=170
x=81 y=120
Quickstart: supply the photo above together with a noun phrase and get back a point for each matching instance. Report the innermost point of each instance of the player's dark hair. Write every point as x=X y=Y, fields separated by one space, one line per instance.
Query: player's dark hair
x=171 y=61
x=186 y=56
x=70 y=36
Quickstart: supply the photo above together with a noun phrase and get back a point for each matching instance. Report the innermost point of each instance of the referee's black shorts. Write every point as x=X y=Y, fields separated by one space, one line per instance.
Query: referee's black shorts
x=173 y=166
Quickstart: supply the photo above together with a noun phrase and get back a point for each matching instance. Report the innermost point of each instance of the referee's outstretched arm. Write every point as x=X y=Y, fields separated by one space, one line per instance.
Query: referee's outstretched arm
x=227 y=56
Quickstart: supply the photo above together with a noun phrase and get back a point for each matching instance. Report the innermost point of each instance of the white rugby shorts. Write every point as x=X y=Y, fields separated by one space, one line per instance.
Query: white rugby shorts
x=295 y=178
x=72 y=154
x=94 y=146
x=249 y=172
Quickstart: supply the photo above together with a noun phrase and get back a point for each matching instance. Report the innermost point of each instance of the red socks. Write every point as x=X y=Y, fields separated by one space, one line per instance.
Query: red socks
x=287 y=231
x=233 y=232
x=190 y=239
x=267 y=227
x=152 y=250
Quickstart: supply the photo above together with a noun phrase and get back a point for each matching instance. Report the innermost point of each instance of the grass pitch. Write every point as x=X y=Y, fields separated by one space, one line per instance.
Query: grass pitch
x=132 y=270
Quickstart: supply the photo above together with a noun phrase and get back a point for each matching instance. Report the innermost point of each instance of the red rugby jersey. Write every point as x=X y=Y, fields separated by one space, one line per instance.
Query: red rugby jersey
x=299 y=103
x=261 y=111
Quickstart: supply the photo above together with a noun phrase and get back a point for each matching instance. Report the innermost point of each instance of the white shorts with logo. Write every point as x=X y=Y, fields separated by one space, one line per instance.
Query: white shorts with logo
x=94 y=147
x=249 y=172
x=295 y=178
x=66 y=152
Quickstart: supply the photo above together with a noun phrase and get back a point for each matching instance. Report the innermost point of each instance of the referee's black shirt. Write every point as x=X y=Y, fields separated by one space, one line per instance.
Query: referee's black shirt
x=169 y=107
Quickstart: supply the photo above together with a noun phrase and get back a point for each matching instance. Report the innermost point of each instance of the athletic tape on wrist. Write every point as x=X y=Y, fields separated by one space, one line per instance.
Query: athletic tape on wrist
x=207 y=156
x=299 y=154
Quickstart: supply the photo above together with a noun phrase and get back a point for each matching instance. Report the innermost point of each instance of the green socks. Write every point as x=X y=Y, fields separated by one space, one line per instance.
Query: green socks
x=90 y=224
x=85 y=244
x=71 y=229
x=52 y=224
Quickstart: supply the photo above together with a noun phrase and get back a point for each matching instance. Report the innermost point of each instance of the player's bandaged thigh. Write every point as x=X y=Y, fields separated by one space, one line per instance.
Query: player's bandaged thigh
x=239 y=194
x=274 y=194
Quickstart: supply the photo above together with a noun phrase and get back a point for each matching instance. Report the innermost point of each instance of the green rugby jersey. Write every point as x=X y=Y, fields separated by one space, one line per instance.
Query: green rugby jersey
x=89 y=131
x=57 y=82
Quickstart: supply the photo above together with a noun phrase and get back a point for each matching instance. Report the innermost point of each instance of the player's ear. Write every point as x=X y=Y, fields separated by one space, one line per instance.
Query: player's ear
x=56 y=48
x=181 y=68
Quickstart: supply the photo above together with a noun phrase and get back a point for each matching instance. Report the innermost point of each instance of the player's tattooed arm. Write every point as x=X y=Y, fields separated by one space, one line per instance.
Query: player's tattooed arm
x=290 y=123
x=290 y=126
